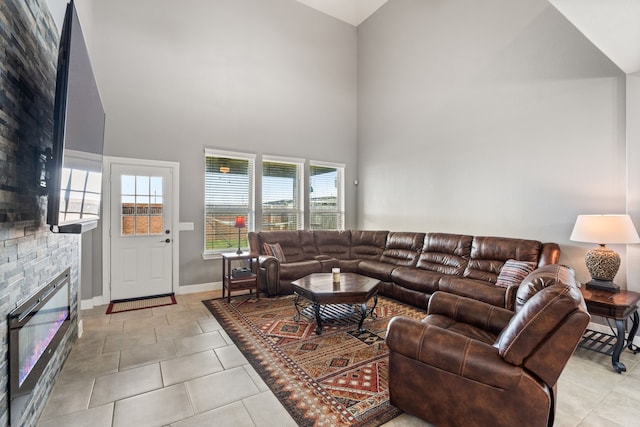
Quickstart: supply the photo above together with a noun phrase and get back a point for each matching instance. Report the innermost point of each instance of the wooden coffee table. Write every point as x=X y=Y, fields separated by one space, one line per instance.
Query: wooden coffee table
x=354 y=290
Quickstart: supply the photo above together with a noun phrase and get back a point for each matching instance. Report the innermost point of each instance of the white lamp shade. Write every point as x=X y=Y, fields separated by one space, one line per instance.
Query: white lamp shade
x=604 y=229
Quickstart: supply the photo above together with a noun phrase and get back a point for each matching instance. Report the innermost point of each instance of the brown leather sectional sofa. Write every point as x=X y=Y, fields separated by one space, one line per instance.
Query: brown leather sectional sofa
x=410 y=265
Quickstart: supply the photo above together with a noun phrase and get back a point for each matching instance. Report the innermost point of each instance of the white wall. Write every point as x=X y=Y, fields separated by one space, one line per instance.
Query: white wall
x=491 y=117
x=270 y=77
x=633 y=179
x=487 y=118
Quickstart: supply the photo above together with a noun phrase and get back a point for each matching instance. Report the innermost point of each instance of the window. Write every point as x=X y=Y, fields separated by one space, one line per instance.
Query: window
x=326 y=196
x=228 y=193
x=81 y=182
x=80 y=194
x=282 y=202
x=141 y=205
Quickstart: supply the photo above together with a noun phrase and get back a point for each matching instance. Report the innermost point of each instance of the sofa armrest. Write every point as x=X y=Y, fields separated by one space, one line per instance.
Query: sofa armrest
x=451 y=352
x=269 y=274
x=549 y=254
x=267 y=259
x=510 y=297
x=466 y=310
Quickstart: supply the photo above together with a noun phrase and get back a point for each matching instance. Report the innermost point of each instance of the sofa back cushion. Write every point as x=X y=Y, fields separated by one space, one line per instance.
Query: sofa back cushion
x=289 y=242
x=367 y=244
x=543 y=277
x=488 y=255
x=402 y=248
x=333 y=243
x=445 y=253
x=538 y=318
x=308 y=244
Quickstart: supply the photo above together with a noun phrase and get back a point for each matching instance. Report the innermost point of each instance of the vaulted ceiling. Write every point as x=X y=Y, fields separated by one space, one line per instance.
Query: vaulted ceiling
x=613 y=26
x=351 y=11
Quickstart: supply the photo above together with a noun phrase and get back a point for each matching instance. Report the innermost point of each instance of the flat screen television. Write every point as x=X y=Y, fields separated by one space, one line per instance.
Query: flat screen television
x=74 y=182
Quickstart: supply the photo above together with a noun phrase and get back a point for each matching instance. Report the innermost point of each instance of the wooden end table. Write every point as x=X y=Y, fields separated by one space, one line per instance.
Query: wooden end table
x=230 y=283
x=353 y=289
x=618 y=306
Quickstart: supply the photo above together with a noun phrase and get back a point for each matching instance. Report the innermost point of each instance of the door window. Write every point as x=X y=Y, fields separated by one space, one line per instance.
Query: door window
x=141 y=205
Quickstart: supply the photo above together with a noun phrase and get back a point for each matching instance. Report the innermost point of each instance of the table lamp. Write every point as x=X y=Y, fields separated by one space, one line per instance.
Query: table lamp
x=239 y=224
x=602 y=262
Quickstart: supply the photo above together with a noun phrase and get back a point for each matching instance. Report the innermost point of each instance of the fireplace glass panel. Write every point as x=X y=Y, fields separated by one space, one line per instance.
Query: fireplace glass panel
x=36 y=335
x=36 y=328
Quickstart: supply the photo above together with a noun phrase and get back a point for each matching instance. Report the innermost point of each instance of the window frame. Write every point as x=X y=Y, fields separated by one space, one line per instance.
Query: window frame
x=340 y=187
x=249 y=211
x=300 y=190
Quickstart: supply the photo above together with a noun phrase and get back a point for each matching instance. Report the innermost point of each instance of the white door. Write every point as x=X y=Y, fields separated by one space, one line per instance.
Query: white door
x=141 y=235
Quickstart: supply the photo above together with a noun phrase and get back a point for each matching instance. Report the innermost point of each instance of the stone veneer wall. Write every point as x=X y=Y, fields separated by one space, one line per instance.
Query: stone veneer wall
x=30 y=255
x=26 y=264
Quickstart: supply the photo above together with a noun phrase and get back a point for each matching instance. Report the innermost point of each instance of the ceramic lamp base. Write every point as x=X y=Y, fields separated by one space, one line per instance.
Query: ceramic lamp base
x=602 y=263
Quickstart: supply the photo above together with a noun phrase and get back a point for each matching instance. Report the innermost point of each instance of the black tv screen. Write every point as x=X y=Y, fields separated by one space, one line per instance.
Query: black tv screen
x=75 y=168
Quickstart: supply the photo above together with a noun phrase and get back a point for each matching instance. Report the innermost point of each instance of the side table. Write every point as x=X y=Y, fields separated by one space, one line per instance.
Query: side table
x=230 y=283
x=618 y=306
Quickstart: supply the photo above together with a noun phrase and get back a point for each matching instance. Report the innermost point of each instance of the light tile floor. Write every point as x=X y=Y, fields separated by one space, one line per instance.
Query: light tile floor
x=176 y=366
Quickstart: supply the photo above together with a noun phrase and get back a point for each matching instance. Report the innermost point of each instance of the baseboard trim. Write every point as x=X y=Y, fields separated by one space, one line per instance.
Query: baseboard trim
x=88 y=304
x=182 y=290
x=200 y=287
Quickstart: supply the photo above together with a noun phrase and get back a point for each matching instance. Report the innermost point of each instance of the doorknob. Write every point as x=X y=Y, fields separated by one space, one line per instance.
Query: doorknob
x=166 y=241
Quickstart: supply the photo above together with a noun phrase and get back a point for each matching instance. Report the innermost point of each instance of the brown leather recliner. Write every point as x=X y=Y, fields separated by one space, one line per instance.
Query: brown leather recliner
x=469 y=363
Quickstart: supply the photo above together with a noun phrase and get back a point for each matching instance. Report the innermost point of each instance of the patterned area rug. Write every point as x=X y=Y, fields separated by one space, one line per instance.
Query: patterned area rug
x=140 y=303
x=338 y=378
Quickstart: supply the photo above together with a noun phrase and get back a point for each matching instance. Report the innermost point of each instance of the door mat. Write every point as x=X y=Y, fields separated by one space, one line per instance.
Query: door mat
x=338 y=378
x=120 y=306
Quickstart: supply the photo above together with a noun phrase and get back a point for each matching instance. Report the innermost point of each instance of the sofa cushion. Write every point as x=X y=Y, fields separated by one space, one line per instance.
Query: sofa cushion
x=549 y=275
x=376 y=269
x=445 y=253
x=513 y=272
x=345 y=265
x=536 y=320
x=288 y=240
x=275 y=250
x=367 y=244
x=472 y=288
x=462 y=328
x=296 y=270
x=402 y=249
x=335 y=244
x=308 y=244
x=416 y=279
x=488 y=255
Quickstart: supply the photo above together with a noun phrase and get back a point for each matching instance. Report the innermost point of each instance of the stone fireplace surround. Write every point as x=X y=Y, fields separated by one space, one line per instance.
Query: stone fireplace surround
x=27 y=264
x=36 y=328
x=30 y=255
